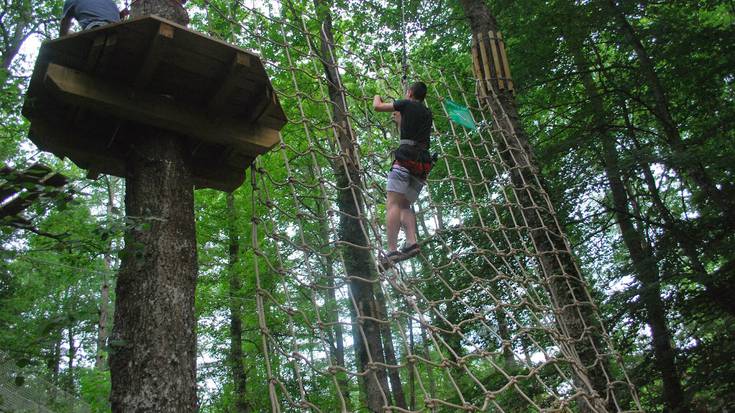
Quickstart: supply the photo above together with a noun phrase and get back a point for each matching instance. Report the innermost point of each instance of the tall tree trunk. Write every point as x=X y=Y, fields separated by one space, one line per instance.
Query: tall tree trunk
x=660 y=107
x=153 y=360
x=236 y=361
x=359 y=264
x=567 y=288
x=104 y=311
x=640 y=252
x=153 y=345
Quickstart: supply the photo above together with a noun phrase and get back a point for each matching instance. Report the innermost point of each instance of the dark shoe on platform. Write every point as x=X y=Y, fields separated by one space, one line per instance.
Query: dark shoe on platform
x=387 y=260
x=410 y=251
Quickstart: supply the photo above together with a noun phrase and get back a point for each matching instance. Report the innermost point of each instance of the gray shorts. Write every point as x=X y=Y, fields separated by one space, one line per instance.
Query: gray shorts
x=401 y=181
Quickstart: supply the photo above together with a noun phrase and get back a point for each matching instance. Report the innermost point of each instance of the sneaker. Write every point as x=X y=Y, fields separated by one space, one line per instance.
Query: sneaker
x=410 y=251
x=387 y=260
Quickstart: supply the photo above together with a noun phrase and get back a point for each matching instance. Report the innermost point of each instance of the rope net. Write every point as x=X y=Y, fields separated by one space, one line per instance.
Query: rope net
x=476 y=322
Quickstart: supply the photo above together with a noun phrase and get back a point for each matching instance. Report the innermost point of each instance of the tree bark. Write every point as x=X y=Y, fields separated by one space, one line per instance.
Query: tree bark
x=168 y=9
x=640 y=252
x=236 y=362
x=359 y=264
x=153 y=345
x=577 y=318
x=686 y=168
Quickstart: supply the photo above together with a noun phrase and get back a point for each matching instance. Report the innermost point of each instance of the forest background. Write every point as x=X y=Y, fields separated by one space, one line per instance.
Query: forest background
x=629 y=106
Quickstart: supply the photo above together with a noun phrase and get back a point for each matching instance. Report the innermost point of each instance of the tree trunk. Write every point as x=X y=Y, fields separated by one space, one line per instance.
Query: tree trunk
x=692 y=169
x=153 y=360
x=567 y=289
x=359 y=263
x=390 y=353
x=153 y=345
x=20 y=27
x=505 y=335
x=640 y=252
x=236 y=362
x=102 y=326
x=168 y=9
x=71 y=355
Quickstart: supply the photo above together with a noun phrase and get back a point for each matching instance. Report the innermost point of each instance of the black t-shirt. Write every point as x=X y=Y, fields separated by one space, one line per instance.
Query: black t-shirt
x=416 y=121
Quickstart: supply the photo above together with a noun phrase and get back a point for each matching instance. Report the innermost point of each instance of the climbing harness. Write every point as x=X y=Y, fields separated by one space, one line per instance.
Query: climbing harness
x=418 y=161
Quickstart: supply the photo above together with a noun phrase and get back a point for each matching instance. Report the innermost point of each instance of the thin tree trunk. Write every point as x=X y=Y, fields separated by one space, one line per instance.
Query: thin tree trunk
x=337 y=346
x=567 y=288
x=236 y=360
x=71 y=355
x=104 y=311
x=358 y=261
x=390 y=353
x=504 y=334
x=14 y=36
x=640 y=252
x=692 y=169
x=429 y=367
x=411 y=369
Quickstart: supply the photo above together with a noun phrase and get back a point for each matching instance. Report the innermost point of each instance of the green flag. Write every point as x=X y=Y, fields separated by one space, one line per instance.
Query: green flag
x=459 y=114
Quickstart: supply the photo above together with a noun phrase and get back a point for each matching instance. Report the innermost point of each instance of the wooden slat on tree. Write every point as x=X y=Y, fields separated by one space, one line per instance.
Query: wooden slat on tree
x=504 y=58
x=479 y=73
x=497 y=67
x=489 y=74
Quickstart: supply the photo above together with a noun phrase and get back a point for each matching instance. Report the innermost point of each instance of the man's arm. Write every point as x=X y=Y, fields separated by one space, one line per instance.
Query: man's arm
x=65 y=25
x=381 y=106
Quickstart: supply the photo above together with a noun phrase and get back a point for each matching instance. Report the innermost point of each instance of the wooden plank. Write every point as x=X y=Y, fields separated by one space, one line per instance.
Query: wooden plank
x=478 y=70
x=240 y=64
x=485 y=62
x=95 y=51
x=157 y=48
x=107 y=53
x=77 y=88
x=506 y=65
x=494 y=51
x=76 y=146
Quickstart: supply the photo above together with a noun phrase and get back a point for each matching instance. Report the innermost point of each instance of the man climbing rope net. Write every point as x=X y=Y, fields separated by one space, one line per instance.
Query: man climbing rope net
x=409 y=170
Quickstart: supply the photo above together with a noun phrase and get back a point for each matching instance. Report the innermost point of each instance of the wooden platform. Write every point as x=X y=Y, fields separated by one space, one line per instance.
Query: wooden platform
x=93 y=91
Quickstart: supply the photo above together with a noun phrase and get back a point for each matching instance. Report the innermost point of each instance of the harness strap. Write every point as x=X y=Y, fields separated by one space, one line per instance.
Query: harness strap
x=410 y=142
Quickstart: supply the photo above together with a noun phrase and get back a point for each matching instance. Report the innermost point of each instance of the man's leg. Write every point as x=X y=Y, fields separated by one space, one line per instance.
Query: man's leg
x=393 y=219
x=408 y=220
